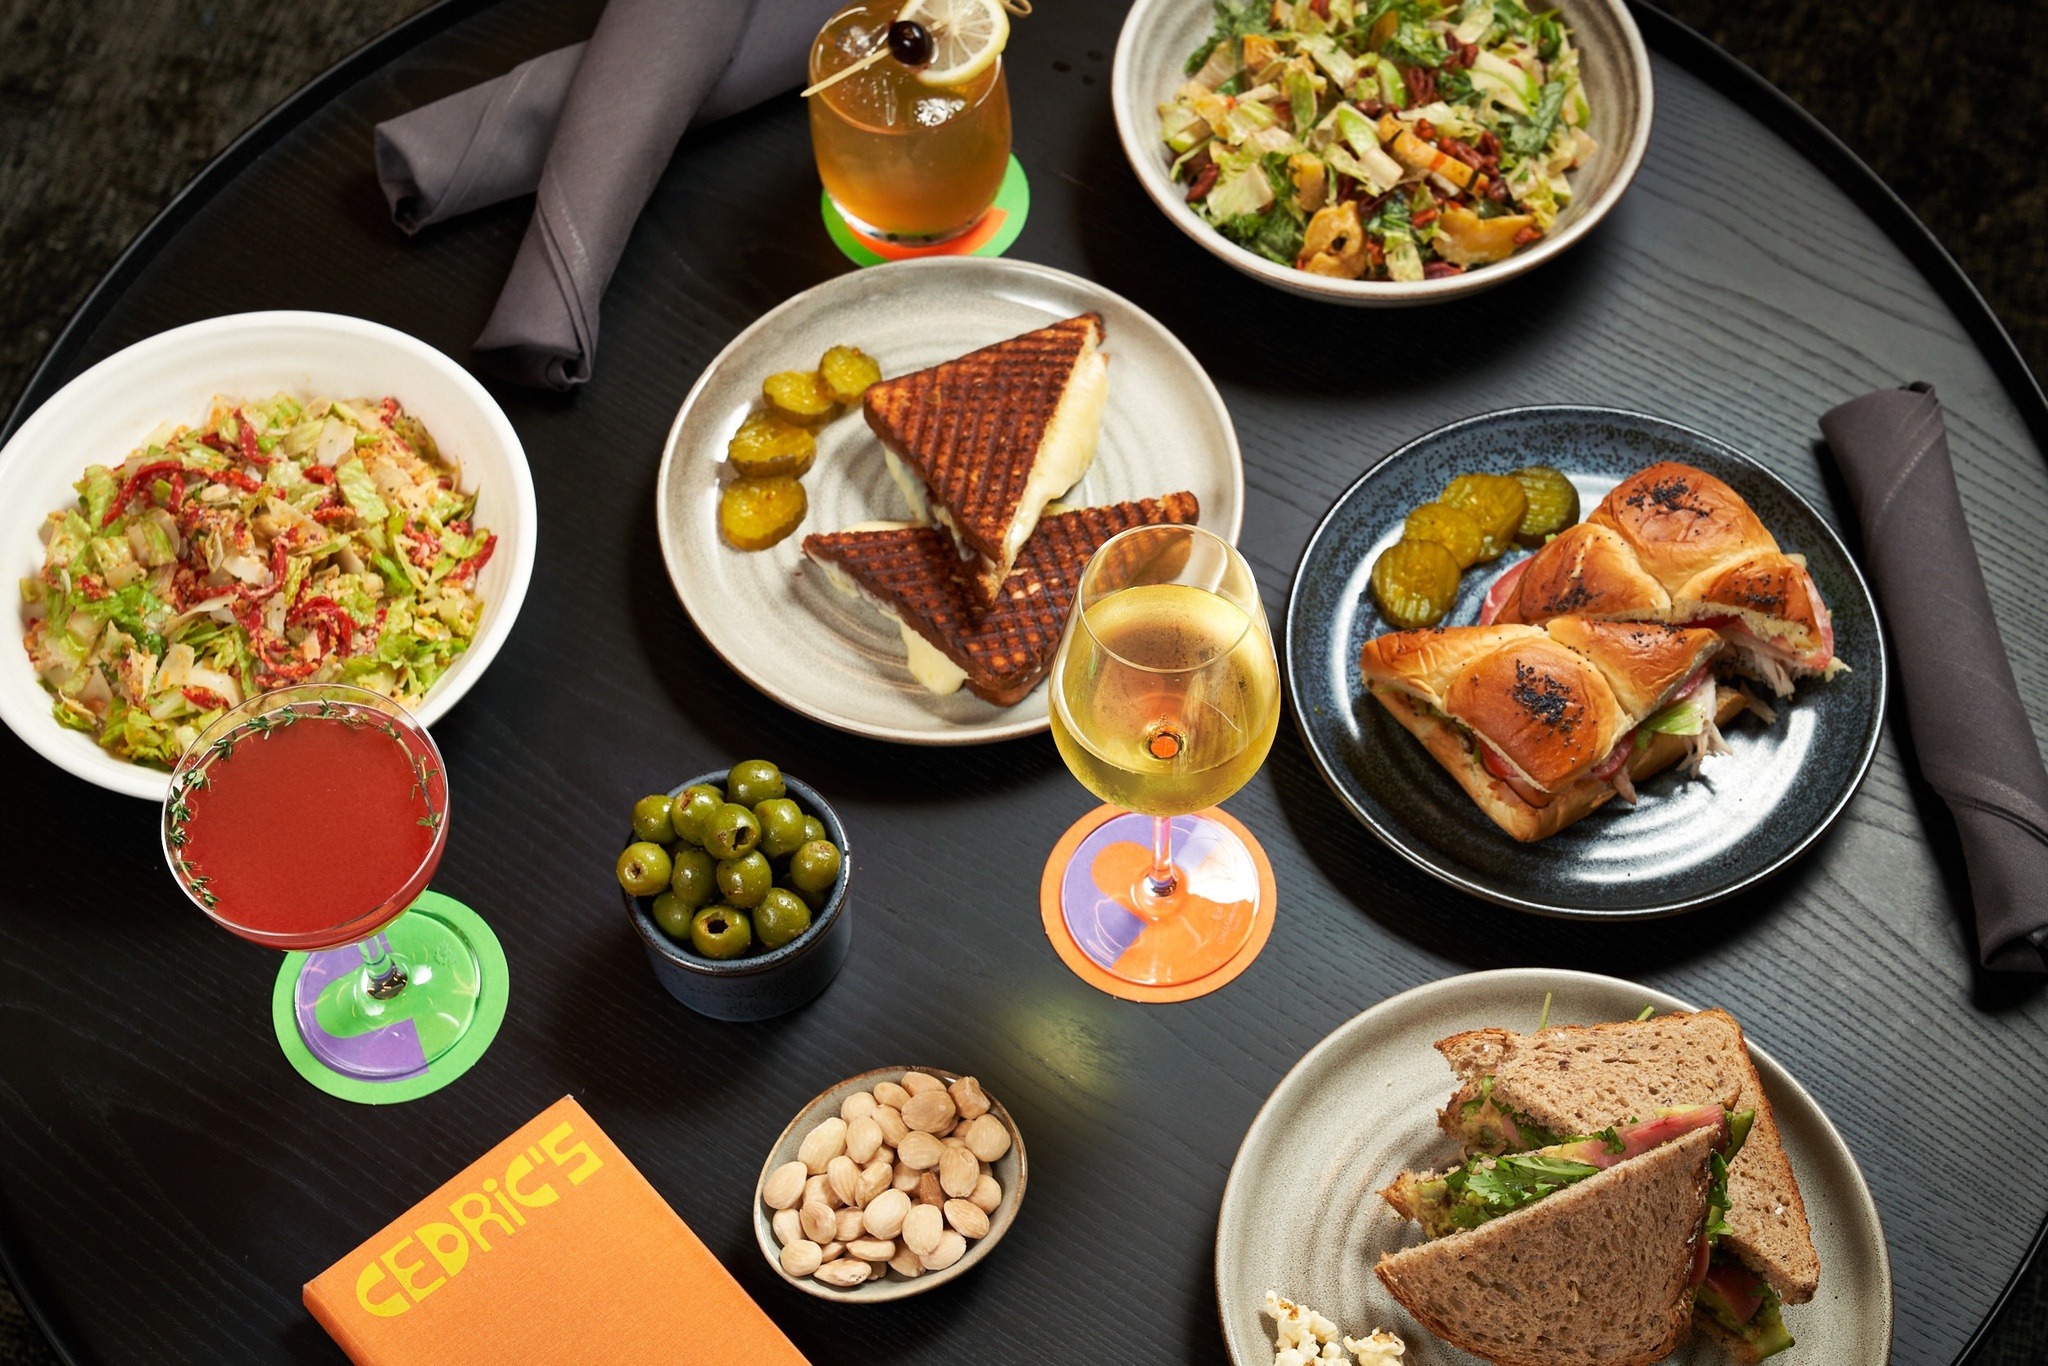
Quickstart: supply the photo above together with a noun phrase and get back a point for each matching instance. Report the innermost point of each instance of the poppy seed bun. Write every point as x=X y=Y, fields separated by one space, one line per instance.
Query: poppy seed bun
x=1422 y=663
x=1768 y=593
x=1586 y=571
x=1681 y=521
x=1643 y=663
x=1544 y=709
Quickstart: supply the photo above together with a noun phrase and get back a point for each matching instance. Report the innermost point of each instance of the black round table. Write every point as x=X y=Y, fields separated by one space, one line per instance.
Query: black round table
x=167 y=1183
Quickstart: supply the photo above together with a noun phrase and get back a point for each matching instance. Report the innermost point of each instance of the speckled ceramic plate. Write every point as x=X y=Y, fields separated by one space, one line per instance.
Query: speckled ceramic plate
x=1686 y=842
x=1301 y=1214
x=775 y=620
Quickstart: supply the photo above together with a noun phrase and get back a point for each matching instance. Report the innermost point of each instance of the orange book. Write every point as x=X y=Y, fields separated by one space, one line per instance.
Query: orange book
x=549 y=1248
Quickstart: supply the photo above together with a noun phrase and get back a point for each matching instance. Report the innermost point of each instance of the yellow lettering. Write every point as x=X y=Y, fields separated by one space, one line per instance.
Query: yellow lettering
x=552 y=1145
x=391 y=1306
x=520 y=1169
x=447 y=1244
x=473 y=1223
x=404 y=1273
x=504 y=1204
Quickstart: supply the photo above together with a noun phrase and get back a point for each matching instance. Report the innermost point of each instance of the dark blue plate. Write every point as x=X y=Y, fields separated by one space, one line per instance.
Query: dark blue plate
x=1686 y=842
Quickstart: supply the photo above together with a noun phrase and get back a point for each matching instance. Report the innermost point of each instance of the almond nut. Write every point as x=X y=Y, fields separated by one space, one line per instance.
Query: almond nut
x=874 y=1179
x=889 y=1094
x=788 y=1226
x=905 y=1178
x=987 y=1138
x=968 y=1098
x=950 y=1248
x=906 y=1264
x=821 y=1225
x=820 y=1190
x=784 y=1186
x=831 y=1251
x=922 y=1228
x=920 y=1152
x=843 y=1175
x=954 y=1141
x=872 y=1249
x=885 y=1155
x=849 y=1226
x=845 y=1273
x=863 y=1138
x=987 y=1194
x=958 y=1169
x=968 y=1218
x=822 y=1144
x=917 y=1083
x=884 y=1216
x=801 y=1258
x=929 y=1191
x=891 y=1121
x=930 y=1112
x=856 y=1105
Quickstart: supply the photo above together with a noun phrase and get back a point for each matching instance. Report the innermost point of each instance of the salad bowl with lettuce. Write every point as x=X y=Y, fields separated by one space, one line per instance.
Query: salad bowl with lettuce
x=1383 y=152
x=218 y=511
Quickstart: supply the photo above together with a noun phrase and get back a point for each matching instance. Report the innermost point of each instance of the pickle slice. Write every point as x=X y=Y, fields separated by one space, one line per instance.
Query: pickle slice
x=846 y=372
x=1553 y=504
x=798 y=395
x=1453 y=528
x=1415 y=583
x=767 y=445
x=1496 y=502
x=756 y=513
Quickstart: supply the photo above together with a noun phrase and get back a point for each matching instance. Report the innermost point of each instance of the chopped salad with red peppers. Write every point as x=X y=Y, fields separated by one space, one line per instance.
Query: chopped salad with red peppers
x=1380 y=139
x=280 y=542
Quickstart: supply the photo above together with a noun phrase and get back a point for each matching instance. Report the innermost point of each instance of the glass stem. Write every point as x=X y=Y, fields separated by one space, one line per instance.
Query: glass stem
x=384 y=976
x=1162 y=880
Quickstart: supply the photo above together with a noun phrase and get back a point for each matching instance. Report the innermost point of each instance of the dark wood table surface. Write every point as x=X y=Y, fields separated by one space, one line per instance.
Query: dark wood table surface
x=167 y=1182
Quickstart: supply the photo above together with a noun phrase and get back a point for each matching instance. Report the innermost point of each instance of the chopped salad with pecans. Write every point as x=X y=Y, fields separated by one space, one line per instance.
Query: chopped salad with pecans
x=1380 y=139
x=280 y=542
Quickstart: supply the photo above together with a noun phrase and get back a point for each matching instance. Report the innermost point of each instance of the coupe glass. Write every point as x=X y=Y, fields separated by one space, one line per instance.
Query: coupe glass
x=1165 y=699
x=310 y=818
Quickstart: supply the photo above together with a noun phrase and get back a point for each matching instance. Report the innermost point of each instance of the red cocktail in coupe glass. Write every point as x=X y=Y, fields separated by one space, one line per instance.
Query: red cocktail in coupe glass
x=310 y=818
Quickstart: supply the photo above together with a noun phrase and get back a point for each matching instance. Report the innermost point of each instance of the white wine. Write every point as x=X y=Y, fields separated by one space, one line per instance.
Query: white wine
x=1165 y=698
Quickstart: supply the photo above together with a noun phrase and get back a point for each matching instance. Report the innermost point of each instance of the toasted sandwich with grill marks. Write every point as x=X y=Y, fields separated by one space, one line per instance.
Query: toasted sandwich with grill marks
x=980 y=445
x=999 y=652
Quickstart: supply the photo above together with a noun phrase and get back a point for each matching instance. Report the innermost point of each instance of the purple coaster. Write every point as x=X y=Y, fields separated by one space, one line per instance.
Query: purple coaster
x=388 y=1053
x=1102 y=926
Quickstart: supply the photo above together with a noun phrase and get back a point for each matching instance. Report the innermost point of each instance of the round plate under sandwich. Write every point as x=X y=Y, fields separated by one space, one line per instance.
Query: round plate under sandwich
x=1685 y=843
x=1301 y=1214
x=773 y=617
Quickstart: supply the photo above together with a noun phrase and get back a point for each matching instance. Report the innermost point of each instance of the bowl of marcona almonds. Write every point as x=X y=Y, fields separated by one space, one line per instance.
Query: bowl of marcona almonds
x=888 y=1184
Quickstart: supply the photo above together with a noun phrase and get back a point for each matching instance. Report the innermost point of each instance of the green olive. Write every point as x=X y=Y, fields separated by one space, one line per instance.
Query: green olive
x=691 y=815
x=782 y=826
x=814 y=829
x=721 y=932
x=673 y=915
x=733 y=830
x=753 y=781
x=814 y=868
x=650 y=820
x=781 y=917
x=745 y=880
x=644 y=868
x=694 y=882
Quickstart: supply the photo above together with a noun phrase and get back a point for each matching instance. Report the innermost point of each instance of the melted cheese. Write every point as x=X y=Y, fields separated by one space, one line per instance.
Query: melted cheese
x=1068 y=449
x=928 y=664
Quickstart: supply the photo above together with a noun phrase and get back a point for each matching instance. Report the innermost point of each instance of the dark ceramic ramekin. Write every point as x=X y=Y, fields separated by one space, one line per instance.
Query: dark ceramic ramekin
x=766 y=984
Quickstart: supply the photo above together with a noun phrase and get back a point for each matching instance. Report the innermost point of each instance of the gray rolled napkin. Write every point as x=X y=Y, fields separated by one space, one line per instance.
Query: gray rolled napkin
x=590 y=127
x=1974 y=743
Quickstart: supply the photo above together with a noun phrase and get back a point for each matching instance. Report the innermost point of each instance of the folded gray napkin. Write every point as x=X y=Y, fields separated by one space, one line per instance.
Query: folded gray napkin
x=590 y=127
x=1971 y=733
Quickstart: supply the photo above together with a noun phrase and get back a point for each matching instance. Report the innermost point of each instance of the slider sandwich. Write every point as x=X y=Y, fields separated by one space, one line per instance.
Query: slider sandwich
x=1540 y=726
x=980 y=445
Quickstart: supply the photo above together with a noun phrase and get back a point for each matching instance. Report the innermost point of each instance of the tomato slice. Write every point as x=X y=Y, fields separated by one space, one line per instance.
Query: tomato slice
x=1503 y=589
x=1616 y=757
x=1741 y=1289
x=1498 y=767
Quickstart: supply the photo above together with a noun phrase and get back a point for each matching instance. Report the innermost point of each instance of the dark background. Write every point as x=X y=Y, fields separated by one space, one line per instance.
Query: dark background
x=107 y=107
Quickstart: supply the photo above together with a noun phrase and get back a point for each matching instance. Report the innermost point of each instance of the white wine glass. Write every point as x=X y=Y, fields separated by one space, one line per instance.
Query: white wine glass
x=1165 y=700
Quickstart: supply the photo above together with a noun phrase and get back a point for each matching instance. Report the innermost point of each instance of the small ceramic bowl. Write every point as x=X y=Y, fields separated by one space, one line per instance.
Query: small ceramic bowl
x=1009 y=1171
x=1151 y=52
x=763 y=985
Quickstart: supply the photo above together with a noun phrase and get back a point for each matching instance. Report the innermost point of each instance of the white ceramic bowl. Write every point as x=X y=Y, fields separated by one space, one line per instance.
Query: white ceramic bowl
x=1151 y=54
x=101 y=416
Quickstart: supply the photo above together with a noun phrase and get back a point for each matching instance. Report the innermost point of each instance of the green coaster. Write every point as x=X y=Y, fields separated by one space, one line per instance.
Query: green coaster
x=992 y=236
x=437 y=1027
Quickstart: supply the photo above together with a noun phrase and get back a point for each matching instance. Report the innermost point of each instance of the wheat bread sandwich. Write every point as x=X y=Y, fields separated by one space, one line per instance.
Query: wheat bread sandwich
x=1585 y=1265
x=912 y=575
x=980 y=445
x=1519 y=1091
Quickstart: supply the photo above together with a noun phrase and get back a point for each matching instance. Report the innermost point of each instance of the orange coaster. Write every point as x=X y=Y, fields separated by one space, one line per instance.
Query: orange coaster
x=1064 y=875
